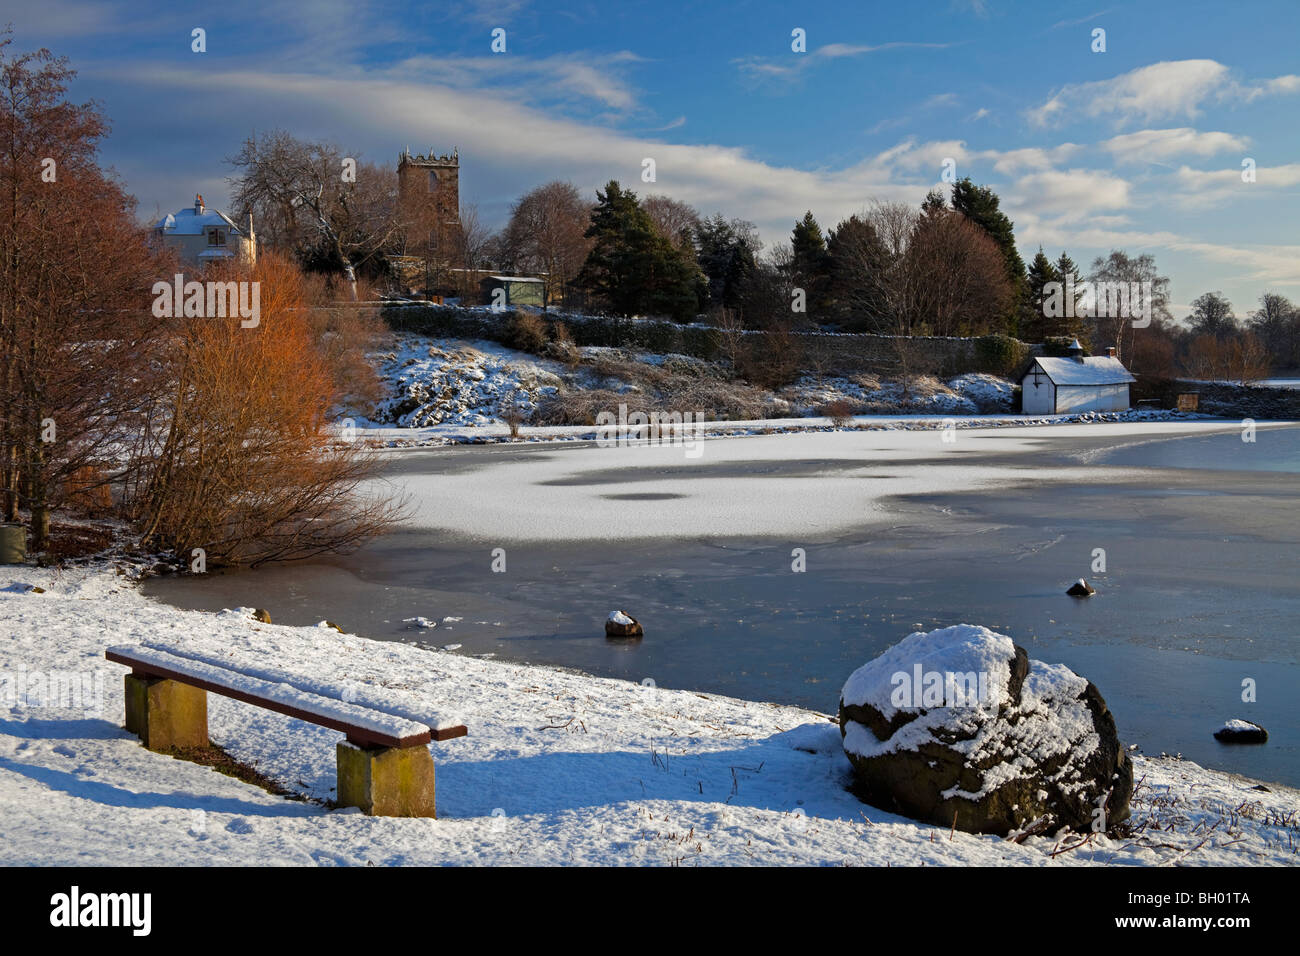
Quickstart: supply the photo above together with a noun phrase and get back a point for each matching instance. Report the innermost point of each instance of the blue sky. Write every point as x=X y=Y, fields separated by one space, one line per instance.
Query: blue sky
x=1139 y=147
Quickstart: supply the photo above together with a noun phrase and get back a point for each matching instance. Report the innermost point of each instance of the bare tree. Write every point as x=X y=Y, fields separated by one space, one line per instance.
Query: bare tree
x=1277 y=323
x=236 y=457
x=545 y=234
x=1119 y=270
x=894 y=222
x=675 y=220
x=76 y=332
x=311 y=191
x=475 y=244
x=955 y=281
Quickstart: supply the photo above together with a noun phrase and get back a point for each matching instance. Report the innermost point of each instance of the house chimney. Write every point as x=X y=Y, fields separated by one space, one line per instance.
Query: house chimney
x=1110 y=351
x=198 y=204
x=1076 y=351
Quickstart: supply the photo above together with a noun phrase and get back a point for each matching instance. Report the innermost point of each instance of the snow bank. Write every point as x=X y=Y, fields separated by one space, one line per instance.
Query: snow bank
x=449 y=382
x=559 y=768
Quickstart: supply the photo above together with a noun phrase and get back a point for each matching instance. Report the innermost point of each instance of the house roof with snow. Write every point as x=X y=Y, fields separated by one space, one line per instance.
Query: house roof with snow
x=1094 y=370
x=511 y=279
x=193 y=220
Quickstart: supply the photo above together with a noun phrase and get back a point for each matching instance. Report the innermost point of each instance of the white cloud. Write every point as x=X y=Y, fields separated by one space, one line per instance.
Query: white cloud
x=1078 y=192
x=1209 y=187
x=1156 y=145
x=1011 y=162
x=1263 y=266
x=512 y=145
x=1158 y=91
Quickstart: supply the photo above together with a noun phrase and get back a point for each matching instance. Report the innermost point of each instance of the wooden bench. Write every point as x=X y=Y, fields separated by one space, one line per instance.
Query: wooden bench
x=384 y=765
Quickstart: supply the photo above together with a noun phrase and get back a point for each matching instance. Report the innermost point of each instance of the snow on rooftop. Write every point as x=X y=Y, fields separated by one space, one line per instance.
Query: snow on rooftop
x=1094 y=370
x=188 y=222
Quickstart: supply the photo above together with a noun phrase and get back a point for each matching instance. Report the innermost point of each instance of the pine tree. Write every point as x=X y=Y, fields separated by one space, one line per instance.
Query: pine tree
x=859 y=275
x=1071 y=277
x=726 y=256
x=633 y=268
x=1041 y=271
x=810 y=265
x=934 y=200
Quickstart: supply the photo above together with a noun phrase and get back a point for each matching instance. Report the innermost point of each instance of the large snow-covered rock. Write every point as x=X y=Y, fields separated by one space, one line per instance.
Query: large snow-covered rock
x=958 y=724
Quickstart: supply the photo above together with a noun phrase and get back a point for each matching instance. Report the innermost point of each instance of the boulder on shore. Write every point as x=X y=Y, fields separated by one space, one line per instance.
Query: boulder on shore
x=1241 y=732
x=959 y=728
x=262 y=614
x=620 y=624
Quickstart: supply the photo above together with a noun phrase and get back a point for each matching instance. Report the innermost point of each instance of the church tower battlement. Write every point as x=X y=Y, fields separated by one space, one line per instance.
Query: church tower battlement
x=428 y=201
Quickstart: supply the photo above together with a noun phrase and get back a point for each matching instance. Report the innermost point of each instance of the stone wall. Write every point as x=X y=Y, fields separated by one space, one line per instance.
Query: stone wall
x=1221 y=398
x=830 y=353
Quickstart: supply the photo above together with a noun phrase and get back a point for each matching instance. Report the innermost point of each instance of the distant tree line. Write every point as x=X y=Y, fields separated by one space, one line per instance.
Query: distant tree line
x=948 y=267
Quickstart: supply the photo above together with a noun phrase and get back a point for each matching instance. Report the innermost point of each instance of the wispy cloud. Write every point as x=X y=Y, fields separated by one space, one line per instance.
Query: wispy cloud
x=596 y=78
x=797 y=63
x=1059 y=25
x=493 y=13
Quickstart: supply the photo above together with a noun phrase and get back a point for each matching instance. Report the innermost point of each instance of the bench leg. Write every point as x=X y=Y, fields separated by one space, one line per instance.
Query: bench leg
x=386 y=781
x=166 y=713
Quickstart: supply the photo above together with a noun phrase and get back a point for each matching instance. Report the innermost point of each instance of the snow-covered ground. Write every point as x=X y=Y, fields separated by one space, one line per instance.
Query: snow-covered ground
x=558 y=767
x=445 y=386
x=455 y=382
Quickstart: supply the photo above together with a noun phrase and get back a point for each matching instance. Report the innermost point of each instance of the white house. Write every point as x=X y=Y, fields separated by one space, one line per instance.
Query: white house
x=202 y=235
x=1055 y=386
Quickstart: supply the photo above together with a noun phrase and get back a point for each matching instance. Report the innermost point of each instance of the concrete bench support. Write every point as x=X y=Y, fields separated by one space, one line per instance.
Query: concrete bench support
x=386 y=781
x=166 y=713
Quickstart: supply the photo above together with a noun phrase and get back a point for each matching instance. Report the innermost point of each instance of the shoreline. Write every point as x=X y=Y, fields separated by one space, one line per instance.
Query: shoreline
x=914 y=545
x=653 y=764
x=395 y=438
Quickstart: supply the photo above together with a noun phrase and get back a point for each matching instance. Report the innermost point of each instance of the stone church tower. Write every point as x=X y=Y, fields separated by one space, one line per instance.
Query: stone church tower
x=428 y=202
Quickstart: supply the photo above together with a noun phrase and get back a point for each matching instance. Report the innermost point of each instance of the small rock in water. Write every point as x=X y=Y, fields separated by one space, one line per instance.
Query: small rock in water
x=1241 y=732
x=1081 y=588
x=451 y=647
x=621 y=624
x=262 y=614
x=420 y=622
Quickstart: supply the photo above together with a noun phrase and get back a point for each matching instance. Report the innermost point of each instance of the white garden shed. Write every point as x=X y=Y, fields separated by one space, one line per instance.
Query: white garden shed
x=1058 y=386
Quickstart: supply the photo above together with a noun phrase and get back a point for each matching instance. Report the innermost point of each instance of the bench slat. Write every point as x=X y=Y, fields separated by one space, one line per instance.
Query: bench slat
x=441 y=729
x=361 y=724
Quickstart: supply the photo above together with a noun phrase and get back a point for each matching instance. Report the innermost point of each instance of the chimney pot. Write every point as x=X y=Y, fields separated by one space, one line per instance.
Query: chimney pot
x=1110 y=351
